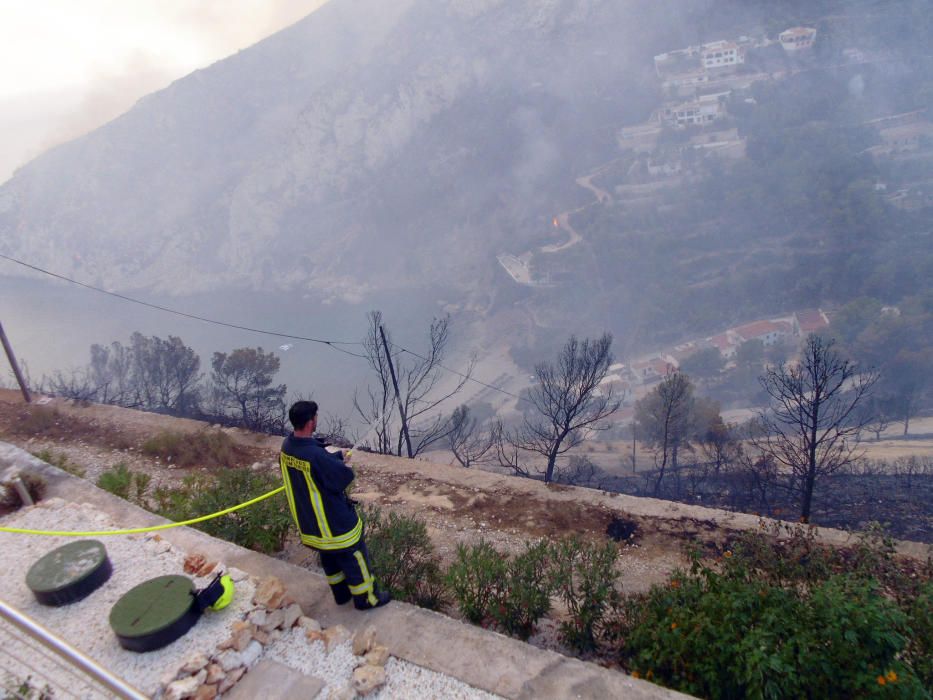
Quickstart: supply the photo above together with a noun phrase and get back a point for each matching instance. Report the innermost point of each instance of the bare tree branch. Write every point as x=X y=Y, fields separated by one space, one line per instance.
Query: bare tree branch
x=569 y=404
x=811 y=426
x=420 y=380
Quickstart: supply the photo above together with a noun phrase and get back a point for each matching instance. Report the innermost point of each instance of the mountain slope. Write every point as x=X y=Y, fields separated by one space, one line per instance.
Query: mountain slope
x=400 y=132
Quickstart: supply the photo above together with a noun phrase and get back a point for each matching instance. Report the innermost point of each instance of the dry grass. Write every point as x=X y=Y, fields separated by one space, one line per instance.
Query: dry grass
x=207 y=448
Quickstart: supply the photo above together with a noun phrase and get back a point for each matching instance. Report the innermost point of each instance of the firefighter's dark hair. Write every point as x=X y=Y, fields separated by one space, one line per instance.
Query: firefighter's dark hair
x=301 y=412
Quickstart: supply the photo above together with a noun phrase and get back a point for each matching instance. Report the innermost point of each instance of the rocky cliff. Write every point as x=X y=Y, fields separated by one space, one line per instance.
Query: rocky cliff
x=417 y=139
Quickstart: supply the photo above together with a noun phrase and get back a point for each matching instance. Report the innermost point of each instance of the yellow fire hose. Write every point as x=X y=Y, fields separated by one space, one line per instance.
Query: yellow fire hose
x=131 y=531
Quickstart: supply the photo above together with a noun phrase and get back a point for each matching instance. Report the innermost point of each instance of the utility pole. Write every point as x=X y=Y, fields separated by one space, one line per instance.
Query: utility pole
x=401 y=406
x=633 y=445
x=12 y=358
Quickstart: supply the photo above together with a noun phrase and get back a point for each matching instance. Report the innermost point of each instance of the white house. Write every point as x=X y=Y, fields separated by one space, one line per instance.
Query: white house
x=722 y=54
x=797 y=38
x=703 y=110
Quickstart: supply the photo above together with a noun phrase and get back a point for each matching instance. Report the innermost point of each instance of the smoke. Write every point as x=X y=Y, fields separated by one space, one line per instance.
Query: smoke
x=110 y=94
x=172 y=40
x=226 y=25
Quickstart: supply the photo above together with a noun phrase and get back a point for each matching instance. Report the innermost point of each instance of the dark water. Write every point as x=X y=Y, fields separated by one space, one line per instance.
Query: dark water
x=52 y=325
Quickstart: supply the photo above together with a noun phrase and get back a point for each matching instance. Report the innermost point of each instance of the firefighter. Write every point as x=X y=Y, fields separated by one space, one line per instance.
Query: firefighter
x=316 y=482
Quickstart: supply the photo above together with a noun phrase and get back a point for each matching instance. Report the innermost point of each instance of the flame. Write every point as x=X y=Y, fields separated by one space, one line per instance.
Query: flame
x=556 y=222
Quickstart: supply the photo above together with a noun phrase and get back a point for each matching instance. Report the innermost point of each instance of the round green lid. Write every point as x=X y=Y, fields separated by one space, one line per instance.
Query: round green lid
x=153 y=606
x=67 y=568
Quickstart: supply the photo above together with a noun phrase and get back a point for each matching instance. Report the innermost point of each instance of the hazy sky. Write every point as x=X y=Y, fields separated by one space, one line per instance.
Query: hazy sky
x=68 y=66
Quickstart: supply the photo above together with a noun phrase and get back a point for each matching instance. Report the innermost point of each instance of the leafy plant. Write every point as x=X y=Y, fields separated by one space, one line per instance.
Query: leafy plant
x=403 y=557
x=919 y=651
x=717 y=635
x=263 y=526
x=118 y=480
x=129 y=485
x=523 y=595
x=584 y=576
x=473 y=579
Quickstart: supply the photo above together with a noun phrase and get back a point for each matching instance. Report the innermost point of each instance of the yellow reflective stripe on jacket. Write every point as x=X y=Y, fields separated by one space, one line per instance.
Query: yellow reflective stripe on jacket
x=343 y=541
x=288 y=490
x=317 y=504
x=334 y=579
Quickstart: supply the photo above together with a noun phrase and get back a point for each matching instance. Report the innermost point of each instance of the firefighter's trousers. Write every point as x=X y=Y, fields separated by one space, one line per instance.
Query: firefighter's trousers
x=349 y=575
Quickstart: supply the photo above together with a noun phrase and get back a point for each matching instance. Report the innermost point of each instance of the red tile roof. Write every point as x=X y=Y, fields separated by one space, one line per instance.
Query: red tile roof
x=757 y=329
x=722 y=341
x=811 y=320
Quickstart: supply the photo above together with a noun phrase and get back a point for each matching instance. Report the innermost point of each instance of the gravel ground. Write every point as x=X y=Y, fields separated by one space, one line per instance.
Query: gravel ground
x=136 y=558
x=85 y=624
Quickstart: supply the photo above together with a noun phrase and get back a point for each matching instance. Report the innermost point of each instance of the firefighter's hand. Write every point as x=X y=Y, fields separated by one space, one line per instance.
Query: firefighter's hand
x=347 y=455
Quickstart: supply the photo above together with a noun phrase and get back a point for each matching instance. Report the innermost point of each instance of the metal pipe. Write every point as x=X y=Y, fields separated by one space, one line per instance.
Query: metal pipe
x=69 y=653
x=22 y=491
x=12 y=358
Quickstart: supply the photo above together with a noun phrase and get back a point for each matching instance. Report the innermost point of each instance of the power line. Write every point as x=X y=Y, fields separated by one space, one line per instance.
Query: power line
x=467 y=377
x=330 y=343
x=333 y=344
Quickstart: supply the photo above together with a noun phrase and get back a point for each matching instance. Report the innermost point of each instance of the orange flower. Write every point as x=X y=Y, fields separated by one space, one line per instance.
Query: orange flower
x=636 y=674
x=675 y=583
x=727 y=554
x=673 y=625
x=881 y=680
x=891 y=676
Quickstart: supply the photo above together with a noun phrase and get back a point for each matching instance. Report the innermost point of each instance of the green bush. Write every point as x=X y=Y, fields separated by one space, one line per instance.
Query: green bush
x=125 y=483
x=403 y=557
x=60 y=460
x=263 y=526
x=920 y=647
x=584 y=576
x=523 y=594
x=719 y=637
x=473 y=579
x=207 y=448
x=118 y=480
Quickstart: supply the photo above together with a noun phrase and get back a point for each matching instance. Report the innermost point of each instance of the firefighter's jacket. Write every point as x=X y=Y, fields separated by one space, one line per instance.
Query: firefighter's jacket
x=315 y=482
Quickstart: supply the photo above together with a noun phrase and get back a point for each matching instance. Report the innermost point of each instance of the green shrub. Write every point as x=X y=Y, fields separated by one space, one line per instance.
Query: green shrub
x=207 y=448
x=473 y=579
x=118 y=480
x=60 y=460
x=584 y=576
x=523 y=594
x=403 y=557
x=263 y=526
x=724 y=636
x=512 y=592
x=123 y=482
x=920 y=647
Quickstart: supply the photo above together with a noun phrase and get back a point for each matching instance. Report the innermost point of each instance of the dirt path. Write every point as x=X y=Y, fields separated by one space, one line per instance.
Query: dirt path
x=563 y=221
